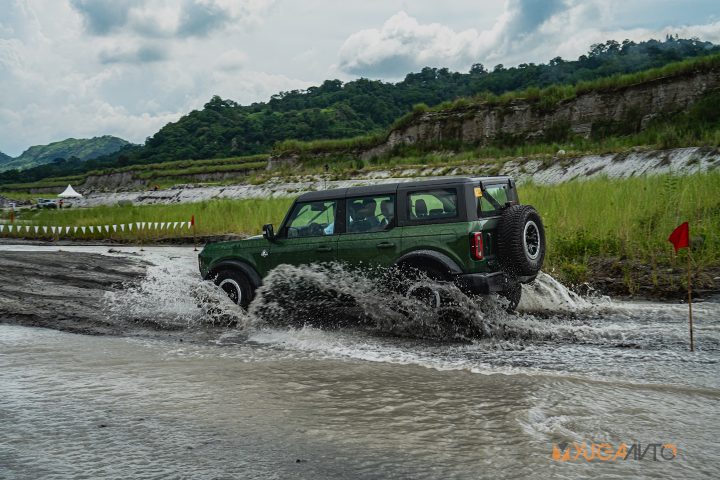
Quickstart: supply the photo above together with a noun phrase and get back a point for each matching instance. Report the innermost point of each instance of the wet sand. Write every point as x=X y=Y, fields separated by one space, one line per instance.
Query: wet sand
x=64 y=290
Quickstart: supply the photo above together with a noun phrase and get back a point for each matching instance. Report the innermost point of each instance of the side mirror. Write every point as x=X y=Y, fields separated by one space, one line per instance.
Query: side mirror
x=268 y=232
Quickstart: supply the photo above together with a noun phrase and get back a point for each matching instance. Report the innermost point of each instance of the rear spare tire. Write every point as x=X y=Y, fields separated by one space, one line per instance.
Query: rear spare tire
x=521 y=241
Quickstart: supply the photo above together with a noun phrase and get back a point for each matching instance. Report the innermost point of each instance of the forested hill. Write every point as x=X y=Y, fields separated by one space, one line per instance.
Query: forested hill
x=82 y=149
x=335 y=109
x=4 y=158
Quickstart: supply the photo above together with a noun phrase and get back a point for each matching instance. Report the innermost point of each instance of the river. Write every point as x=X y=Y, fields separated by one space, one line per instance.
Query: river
x=260 y=400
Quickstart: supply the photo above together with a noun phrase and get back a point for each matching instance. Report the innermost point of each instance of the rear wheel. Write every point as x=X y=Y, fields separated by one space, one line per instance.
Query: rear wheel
x=424 y=284
x=236 y=286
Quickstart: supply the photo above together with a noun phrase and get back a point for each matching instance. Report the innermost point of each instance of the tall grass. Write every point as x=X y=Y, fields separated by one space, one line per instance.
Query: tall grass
x=329 y=145
x=212 y=217
x=628 y=219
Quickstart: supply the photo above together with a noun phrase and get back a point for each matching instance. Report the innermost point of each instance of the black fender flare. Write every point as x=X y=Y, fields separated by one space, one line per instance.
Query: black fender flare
x=244 y=267
x=434 y=257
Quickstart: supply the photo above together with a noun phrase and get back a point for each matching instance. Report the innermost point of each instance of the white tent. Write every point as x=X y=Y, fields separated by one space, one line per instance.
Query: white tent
x=69 y=193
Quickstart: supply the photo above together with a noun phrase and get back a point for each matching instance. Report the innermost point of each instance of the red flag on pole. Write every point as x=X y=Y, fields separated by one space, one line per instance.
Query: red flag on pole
x=680 y=237
x=192 y=220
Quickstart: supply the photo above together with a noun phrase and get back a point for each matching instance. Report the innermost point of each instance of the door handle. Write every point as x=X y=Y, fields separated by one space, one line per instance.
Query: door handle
x=386 y=244
x=324 y=248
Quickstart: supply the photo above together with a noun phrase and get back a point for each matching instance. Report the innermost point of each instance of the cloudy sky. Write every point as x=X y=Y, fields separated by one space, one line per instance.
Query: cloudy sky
x=81 y=68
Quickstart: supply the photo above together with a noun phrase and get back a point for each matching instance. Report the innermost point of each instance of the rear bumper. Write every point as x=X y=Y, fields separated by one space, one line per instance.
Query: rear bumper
x=482 y=283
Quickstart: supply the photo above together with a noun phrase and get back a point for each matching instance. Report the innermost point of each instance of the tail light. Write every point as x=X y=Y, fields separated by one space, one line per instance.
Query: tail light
x=476 y=245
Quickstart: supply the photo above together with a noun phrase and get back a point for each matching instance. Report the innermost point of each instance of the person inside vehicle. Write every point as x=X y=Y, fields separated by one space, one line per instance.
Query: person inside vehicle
x=388 y=212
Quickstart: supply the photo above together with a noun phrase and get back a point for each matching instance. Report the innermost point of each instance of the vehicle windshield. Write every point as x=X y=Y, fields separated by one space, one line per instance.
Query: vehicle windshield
x=312 y=219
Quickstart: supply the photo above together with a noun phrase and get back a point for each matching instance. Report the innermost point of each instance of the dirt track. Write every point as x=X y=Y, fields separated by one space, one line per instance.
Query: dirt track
x=63 y=290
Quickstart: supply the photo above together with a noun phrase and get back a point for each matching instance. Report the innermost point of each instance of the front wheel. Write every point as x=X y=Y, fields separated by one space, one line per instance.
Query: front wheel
x=237 y=287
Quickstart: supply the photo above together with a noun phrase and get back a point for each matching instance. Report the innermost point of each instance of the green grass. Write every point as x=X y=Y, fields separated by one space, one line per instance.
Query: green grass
x=315 y=146
x=215 y=217
x=627 y=219
x=169 y=173
x=185 y=164
x=20 y=196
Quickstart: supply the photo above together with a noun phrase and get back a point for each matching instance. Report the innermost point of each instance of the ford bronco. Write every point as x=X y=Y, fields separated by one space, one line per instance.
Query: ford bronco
x=472 y=232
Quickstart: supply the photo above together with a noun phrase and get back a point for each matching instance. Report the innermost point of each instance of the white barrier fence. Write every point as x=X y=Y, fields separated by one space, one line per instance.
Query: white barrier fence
x=94 y=230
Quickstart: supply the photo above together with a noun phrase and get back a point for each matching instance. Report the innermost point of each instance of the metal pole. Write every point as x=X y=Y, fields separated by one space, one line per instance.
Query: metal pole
x=692 y=340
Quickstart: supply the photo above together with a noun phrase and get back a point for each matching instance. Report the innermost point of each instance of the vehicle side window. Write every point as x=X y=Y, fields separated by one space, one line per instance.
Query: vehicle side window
x=433 y=204
x=370 y=214
x=493 y=198
x=312 y=219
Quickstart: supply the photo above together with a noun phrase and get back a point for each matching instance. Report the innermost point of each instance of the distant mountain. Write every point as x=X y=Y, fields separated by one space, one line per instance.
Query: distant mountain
x=82 y=149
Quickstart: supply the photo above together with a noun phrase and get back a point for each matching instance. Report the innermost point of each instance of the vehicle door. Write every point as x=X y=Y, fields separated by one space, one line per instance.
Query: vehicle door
x=307 y=236
x=371 y=237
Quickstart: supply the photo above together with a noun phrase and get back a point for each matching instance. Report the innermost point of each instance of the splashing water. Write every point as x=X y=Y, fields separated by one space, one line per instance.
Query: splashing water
x=171 y=296
x=296 y=300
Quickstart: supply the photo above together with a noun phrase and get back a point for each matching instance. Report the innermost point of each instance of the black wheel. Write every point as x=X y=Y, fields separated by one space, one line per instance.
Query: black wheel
x=414 y=284
x=236 y=285
x=512 y=292
x=521 y=241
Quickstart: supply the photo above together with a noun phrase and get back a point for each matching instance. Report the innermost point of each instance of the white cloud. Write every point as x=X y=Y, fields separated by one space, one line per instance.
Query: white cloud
x=403 y=44
x=126 y=67
x=74 y=82
x=527 y=31
x=168 y=18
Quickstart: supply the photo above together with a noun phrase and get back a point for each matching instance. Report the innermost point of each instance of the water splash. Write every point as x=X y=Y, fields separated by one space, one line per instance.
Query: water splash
x=335 y=296
x=172 y=296
x=332 y=297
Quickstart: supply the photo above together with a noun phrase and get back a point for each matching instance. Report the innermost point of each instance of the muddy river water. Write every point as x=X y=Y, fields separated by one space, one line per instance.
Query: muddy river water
x=182 y=395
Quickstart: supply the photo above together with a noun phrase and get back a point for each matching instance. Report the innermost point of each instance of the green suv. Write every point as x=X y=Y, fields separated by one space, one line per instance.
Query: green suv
x=472 y=232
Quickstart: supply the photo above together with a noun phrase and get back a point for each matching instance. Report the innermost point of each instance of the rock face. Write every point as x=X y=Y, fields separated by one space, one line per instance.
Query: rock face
x=622 y=109
x=583 y=115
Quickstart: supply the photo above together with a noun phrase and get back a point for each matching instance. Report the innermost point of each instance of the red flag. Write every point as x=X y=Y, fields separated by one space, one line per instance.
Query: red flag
x=680 y=237
x=192 y=220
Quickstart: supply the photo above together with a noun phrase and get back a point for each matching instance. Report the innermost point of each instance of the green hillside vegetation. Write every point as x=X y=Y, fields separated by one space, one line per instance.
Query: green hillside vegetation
x=69 y=149
x=4 y=158
x=337 y=110
x=162 y=174
x=700 y=125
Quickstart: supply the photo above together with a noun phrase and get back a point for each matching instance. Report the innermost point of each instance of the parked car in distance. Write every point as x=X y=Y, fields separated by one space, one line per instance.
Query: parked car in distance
x=472 y=232
x=45 y=203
